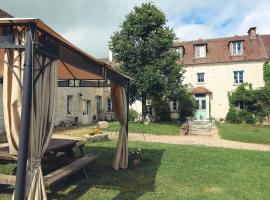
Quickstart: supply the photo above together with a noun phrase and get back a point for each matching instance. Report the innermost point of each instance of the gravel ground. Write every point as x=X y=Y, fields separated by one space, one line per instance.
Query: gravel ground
x=211 y=141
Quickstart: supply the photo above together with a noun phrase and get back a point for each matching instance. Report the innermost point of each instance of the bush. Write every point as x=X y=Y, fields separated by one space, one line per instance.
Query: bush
x=187 y=105
x=132 y=115
x=239 y=116
x=246 y=117
x=233 y=116
x=162 y=110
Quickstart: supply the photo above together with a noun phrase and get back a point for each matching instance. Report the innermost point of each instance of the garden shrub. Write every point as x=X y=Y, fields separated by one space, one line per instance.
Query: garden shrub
x=246 y=117
x=132 y=115
x=233 y=116
x=162 y=110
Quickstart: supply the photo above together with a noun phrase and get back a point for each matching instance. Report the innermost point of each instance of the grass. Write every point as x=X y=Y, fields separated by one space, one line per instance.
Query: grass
x=245 y=133
x=168 y=172
x=161 y=128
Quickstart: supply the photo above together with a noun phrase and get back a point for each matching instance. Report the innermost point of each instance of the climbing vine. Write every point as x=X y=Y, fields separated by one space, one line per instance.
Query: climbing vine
x=266 y=74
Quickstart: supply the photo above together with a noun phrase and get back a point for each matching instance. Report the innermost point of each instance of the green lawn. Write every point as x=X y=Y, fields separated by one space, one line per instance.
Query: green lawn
x=170 y=172
x=165 y=128
x=245 y=133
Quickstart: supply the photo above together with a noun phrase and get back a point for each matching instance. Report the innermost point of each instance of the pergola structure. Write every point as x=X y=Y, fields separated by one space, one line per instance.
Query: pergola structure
x=32 y=58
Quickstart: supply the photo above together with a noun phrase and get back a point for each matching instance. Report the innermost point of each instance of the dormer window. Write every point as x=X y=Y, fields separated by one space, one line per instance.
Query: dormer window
x=180 y=52
x=200 y=51
x=236 y=48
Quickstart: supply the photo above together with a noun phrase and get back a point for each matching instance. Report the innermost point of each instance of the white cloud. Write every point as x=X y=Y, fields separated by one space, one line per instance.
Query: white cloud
x=194 y=32
x=259 y=17
x=89 y=24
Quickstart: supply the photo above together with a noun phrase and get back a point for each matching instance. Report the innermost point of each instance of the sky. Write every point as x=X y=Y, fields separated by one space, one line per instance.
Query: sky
x=89 y=24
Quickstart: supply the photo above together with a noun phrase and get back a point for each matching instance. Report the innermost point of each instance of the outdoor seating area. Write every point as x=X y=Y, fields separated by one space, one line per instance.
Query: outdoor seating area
x=32 y=58
x=61 y=151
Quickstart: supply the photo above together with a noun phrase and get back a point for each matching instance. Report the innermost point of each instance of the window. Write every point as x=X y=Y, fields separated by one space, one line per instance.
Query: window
x=200 y=51
x=74 y=83
x=200 y=77
x=237 y=48
x=239 y=105
x=109 y=105
x=86 y=107
x=203 y=104
x=197 y=104
x=174 y=105
x=238 y=77
x=69 y=104
x=180 y=52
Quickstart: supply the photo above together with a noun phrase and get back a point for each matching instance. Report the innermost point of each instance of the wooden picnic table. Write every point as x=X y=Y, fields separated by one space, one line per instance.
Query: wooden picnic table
x=62 y=146
x=55 y=146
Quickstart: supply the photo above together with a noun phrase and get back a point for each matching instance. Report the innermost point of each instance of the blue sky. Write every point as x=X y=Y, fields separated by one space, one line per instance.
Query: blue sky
x=89 y=24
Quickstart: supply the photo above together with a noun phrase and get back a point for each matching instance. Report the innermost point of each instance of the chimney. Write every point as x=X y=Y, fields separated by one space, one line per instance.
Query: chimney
x=252 y=32
x=110 y=56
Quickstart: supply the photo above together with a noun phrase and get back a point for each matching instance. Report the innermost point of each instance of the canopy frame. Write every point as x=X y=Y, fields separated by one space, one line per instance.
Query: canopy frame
x=78 y=59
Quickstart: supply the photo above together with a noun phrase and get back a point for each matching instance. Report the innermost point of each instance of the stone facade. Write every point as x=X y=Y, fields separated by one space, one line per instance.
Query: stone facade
x=78 y=111
x=80 y=94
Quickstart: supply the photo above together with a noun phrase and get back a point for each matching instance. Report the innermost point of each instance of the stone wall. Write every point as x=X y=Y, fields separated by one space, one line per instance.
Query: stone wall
x=78 y=95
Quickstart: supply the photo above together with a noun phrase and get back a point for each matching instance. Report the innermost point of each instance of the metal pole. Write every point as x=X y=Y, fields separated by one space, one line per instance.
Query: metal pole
x=127 y=94
x=25 y=117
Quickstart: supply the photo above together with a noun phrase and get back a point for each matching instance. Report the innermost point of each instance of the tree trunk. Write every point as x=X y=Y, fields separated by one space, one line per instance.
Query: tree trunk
x=143 y=108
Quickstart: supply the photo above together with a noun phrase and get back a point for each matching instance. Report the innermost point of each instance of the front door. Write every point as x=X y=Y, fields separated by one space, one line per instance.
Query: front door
x=202 y=106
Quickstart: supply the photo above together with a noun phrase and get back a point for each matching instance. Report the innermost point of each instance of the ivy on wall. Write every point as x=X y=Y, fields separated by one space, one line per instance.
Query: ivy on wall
x=256 y=102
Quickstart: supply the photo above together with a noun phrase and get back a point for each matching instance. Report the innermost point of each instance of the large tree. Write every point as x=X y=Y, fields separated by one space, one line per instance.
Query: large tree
x=143 y=47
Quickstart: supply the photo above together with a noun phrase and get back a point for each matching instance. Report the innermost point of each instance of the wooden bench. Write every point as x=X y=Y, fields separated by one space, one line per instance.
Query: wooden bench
x=68 y=170
x=55 y=176
x=7 y=179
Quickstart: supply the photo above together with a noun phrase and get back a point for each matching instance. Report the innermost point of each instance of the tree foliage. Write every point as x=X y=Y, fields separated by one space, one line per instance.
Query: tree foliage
x=256 y=104
x=266 y=74
x=142 y=46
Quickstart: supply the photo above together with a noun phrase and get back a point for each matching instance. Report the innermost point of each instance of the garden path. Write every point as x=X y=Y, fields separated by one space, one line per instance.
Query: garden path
x=210 y=141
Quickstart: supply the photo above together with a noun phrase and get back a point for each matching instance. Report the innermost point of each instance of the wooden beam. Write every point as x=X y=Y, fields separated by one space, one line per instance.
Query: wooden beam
x=7 y=179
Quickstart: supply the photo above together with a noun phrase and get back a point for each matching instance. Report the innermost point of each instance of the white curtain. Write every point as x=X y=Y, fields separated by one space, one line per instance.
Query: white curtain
x=42 y=114
x=12 y=97
x=42 y=119
x=119 y=100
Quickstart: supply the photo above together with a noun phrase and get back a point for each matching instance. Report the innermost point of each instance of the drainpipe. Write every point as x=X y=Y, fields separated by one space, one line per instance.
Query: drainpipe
x=25 y=116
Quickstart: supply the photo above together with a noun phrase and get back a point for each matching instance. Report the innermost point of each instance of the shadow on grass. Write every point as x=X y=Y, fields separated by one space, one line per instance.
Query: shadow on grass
x=129 y=184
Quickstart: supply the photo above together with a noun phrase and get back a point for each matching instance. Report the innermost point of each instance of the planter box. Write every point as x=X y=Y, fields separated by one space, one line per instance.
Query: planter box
x=96 y=138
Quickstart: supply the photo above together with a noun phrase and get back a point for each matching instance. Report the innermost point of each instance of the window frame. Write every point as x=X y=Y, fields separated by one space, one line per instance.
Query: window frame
x=237 y=76
x=200 y=79
x=69 y=104
x=109 y=105
x=239 y=105
x=180 y=51
x=174 y=105
x=199 y=48
x=237 y=50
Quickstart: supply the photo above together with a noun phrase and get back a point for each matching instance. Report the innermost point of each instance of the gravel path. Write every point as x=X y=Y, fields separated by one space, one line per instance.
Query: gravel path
x=210 y=141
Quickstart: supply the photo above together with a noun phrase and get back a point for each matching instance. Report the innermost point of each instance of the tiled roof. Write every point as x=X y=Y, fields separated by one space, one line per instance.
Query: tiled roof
x=218 y=50
x=4 y=14
x=201 y=90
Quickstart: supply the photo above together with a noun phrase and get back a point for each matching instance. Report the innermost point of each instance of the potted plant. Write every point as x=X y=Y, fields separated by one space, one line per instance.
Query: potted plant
x=134 y=156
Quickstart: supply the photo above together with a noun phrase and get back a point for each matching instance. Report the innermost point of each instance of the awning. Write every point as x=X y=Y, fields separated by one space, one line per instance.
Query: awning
x=73 y=63
x=201 y=90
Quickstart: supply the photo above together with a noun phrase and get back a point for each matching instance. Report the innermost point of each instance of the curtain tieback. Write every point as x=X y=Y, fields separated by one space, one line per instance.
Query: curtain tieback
x=35 y=163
